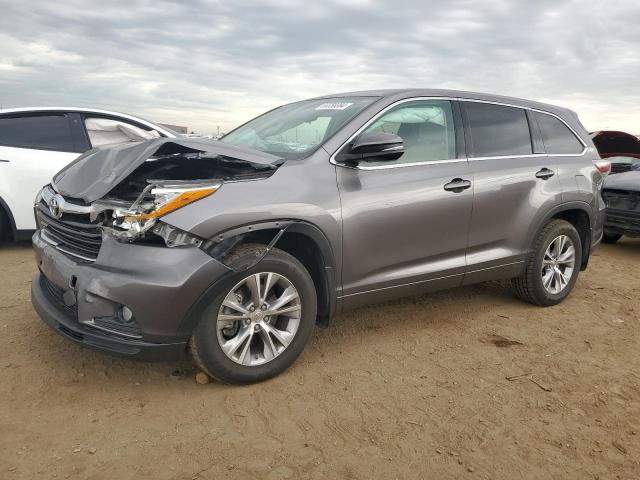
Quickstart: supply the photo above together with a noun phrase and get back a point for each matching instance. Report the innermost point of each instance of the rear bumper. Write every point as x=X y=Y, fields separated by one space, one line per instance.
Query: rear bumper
x=83 y=301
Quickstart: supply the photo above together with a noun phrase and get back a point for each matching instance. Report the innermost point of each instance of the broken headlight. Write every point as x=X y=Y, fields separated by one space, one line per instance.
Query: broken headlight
x=157 y=200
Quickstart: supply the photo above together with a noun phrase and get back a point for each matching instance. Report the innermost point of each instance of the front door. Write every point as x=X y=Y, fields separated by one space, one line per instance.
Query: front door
x=405 y=222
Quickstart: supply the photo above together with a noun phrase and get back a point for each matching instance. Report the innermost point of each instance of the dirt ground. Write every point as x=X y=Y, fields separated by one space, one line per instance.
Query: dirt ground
x=419 y=388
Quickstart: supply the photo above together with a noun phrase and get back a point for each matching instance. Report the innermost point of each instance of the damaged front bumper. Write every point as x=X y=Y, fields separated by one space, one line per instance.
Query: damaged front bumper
x=134 y=301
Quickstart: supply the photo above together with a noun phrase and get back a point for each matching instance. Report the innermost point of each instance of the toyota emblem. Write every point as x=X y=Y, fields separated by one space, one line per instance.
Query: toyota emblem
x=54 y=208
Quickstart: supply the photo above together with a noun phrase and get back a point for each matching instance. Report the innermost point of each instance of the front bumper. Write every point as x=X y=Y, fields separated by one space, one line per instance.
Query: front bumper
x=625 y=222
x=159 y=285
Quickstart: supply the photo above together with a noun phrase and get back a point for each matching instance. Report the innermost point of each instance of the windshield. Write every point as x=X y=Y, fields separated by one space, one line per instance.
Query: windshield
x=293 y=131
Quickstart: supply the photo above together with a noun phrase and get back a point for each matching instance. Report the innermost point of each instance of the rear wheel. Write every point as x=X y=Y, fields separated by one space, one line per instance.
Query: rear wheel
x=552 y=269
x=260 y=321
x=610 y=237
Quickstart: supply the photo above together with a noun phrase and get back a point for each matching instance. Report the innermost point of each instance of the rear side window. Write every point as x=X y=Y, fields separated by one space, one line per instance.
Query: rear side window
x=107 y=131
x=497 y=130
x=557 y=138
x=41 y=132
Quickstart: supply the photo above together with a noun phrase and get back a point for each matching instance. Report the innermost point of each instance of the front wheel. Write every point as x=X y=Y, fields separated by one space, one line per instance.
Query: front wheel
x=260 y=322
x=552 y=268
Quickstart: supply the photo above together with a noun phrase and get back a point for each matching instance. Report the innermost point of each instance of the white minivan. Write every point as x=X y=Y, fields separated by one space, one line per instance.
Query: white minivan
x=35 y=143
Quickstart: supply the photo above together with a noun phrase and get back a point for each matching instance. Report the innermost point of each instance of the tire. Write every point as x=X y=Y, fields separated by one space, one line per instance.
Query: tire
x=529 y=286
x=610 y=237
x=250 y=363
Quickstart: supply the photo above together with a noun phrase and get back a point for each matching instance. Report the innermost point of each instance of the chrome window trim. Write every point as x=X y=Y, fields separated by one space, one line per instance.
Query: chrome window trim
x=454 y=160
x=412 y=164
x=499 y=157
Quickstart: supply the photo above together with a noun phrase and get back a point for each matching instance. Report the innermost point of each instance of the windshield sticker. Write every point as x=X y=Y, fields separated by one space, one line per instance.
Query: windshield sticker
x=333 y=106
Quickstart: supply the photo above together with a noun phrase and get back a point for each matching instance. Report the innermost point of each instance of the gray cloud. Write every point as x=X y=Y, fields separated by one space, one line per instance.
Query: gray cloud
x=219 y=63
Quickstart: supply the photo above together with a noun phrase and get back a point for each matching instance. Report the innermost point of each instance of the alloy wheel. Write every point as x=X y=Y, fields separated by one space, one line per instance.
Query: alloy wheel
x=258 y=318
x=558 y=264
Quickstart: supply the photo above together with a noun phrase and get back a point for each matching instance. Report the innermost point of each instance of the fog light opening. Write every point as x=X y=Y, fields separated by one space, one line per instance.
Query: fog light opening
x=125 y=314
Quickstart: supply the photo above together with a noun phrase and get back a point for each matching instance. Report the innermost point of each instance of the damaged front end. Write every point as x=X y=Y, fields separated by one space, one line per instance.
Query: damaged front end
x=131 y=222
x=124 y=192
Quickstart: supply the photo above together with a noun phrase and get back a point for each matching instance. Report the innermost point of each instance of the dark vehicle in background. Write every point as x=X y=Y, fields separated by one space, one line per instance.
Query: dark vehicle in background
x=621 y=195
x=233 y=250
x=620 y=189
x=620 y=148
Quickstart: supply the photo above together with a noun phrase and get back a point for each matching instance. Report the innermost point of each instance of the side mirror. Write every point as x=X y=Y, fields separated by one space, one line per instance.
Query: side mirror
x=373 y=146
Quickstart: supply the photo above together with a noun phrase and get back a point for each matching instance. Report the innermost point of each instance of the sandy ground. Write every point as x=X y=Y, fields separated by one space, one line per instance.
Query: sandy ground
x=417 y=388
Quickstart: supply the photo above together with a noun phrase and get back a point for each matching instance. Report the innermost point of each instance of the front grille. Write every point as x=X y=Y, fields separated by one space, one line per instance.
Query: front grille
x=624 y=219
x=72 y=234
x=622 y=200
x=56 y=295
x=623 y=209
x=620 y=167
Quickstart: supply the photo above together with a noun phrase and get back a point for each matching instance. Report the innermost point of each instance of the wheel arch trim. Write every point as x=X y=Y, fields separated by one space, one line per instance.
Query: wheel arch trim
x=233 y=237
x=566 y=207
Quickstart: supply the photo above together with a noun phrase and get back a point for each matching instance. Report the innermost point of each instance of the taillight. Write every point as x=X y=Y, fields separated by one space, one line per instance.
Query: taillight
x=603 y=166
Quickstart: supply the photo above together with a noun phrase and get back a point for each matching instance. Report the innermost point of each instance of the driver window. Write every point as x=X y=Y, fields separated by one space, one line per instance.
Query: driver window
x=426 y=128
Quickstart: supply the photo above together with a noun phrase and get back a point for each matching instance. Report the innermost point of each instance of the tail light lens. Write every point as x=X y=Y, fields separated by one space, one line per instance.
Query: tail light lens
x=603 y=166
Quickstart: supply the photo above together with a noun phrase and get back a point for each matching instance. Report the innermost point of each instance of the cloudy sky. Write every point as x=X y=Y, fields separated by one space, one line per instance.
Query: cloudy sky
x=208 y=63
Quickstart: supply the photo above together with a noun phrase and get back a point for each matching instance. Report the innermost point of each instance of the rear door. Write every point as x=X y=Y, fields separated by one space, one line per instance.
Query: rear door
x=405 y=224
x=33 y=147
x=514 y=180
x=568 y=153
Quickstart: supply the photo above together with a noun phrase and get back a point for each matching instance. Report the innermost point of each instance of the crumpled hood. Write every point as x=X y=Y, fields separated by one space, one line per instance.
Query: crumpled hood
x=94 y=173
x=629 y=181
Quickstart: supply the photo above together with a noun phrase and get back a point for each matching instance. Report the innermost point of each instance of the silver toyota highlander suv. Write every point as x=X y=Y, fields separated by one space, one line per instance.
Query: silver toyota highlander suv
x=233 y=250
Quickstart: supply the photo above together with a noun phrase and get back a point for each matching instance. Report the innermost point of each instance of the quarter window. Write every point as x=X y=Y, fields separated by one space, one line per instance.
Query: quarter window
x=557 y=138
x=426 y=128
x=41 y=132
x=497 y=130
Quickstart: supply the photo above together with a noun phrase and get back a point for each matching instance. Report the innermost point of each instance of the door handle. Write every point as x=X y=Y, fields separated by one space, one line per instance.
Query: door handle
x=3 y=160
x=545 y=173
x=457 y=185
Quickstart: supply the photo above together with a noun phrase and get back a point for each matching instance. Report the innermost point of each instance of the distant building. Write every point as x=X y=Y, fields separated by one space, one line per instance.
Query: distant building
x=175 y=128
